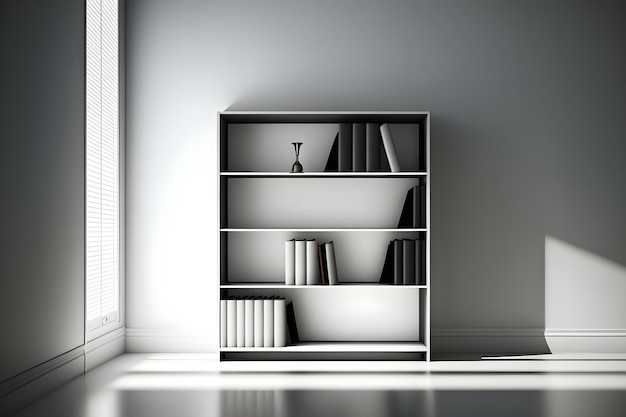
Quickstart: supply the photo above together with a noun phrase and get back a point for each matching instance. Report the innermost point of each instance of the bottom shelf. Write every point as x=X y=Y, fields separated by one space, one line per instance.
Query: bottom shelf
x=331 y=351
x=340 y=347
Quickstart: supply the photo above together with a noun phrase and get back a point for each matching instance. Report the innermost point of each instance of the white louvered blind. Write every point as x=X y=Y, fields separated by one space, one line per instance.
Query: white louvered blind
x=102 y=163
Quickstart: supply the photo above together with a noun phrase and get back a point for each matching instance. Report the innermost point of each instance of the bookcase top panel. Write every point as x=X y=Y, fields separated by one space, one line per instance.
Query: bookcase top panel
x=323 y=117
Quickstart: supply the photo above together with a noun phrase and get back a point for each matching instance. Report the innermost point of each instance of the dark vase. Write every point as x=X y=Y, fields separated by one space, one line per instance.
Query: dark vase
x=297 y=166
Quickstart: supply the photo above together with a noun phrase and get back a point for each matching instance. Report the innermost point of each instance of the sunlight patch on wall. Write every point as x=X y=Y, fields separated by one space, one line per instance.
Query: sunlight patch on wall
x=585 y=305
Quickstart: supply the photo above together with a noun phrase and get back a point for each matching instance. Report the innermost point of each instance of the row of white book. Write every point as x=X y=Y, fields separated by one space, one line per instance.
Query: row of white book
x=307 y=263
x=248 y=322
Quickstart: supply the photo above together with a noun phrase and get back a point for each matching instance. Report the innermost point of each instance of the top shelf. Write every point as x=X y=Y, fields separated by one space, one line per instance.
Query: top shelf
x=333 y=144
x=323 y=117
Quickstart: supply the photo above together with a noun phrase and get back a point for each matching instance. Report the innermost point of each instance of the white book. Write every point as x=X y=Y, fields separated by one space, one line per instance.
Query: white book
x=280 y=322
x=241 y=323
x=390 y=148
x=223 y=323
x=268 y=323
x=313 y=275
x=231 y=322
x=249 y=322
x=300 y=262
x=332 y=263
x=258 y=322
x=290 y=262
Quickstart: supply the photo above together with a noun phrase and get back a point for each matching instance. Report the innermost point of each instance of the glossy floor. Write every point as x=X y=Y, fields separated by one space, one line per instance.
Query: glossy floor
x=137 y=385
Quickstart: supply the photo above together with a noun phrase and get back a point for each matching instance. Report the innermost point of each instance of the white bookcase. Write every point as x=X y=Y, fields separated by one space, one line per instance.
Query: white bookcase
x=262 y=205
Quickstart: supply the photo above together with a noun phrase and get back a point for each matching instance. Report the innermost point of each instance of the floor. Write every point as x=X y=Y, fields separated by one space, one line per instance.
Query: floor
x=152 y=385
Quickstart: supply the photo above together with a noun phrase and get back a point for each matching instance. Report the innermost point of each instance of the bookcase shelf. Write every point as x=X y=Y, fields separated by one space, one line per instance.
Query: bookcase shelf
x=340 y=347
x=362 y=212
x=330 y=230
x=281 y=286
x=325 y=174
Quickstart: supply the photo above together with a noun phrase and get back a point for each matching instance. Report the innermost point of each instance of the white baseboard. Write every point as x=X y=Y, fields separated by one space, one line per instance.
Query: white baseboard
x=162 y=341
x=27 y=386
x=104 y=348
x=586 y=340
x=488 y=340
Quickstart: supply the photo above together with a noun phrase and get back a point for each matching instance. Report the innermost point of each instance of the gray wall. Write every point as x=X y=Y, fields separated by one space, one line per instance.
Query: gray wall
x=528 y=105
x=41 y=181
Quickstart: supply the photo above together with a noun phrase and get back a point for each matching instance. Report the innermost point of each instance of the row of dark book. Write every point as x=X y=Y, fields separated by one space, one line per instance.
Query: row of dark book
x=405 y=262
x=363 y=147
x=307 y=263
x=251 y=321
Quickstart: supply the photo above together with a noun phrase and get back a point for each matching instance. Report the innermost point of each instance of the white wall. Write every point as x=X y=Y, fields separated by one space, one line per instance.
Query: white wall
x=528 y=112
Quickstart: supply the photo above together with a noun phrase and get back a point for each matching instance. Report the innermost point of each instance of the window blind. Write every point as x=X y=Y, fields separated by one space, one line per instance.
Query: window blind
x=102 y=163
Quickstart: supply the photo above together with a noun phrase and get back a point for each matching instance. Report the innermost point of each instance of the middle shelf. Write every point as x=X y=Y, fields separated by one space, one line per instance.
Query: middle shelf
x=313 y=203
x=314 y=230
x=258 y=257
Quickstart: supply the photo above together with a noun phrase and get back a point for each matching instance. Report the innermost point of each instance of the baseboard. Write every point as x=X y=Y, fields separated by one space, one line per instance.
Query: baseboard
x=161 y=341
x=586 y=340
x=32 y=384
x=104 y=348
x=27 y=386
x=488 y=340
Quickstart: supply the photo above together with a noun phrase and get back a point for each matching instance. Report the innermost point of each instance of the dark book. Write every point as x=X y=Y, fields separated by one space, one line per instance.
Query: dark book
x=345 y=147
x=386 y=275
x=421 y=204
x=291 y=324
x=421 y=158
x=373 y=142
x=397 y=262
x=420 y=260
x=408 y=262
x=332 y=164
x=322 y=259
x=358 y=147
x=406 y=216
x=331 y=264
x=413 y=214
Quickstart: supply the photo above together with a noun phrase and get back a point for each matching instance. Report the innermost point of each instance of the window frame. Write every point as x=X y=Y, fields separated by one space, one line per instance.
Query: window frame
x=117 y=319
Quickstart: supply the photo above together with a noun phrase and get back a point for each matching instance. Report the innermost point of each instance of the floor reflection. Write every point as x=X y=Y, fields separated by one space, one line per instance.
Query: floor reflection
x=155 y=388
x=279 y=403
x=374 y=403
